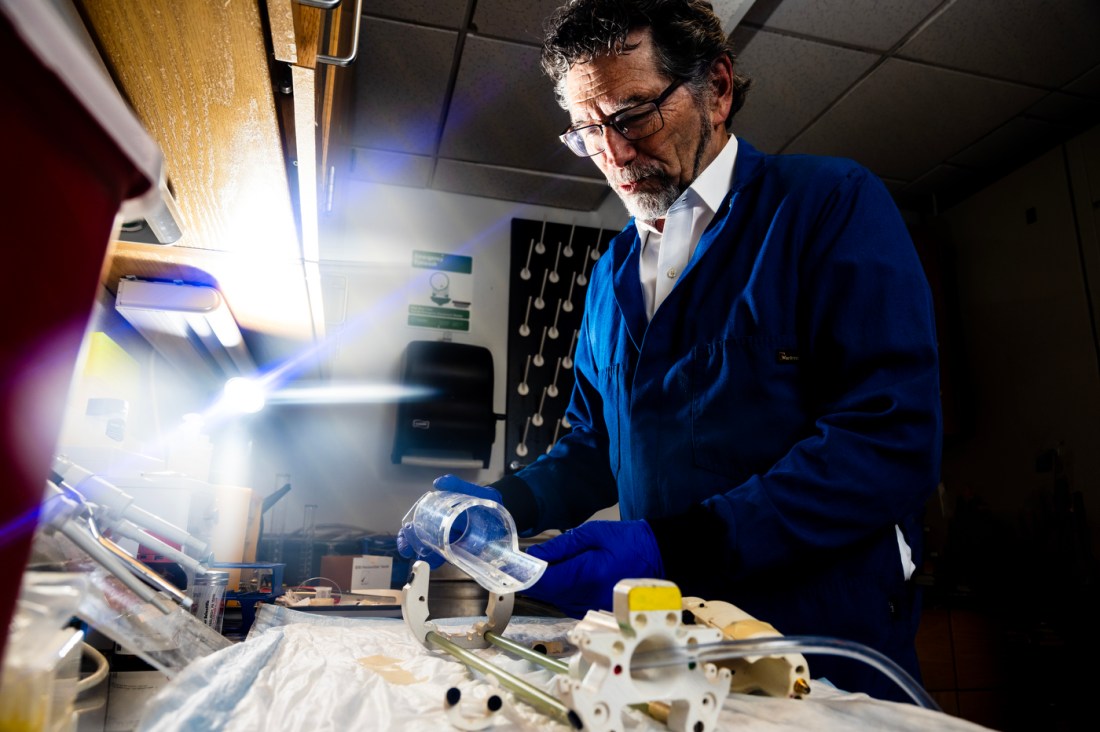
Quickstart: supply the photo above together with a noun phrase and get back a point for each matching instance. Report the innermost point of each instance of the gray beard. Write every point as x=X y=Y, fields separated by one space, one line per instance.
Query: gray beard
x=650 y=206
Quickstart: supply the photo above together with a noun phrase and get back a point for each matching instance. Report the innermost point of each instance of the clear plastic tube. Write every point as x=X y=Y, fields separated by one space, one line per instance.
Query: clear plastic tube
x=478 y=536
x=711 y=652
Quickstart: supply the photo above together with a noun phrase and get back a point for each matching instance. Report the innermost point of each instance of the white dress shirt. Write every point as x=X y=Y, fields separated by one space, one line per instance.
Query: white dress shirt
x=666 y=254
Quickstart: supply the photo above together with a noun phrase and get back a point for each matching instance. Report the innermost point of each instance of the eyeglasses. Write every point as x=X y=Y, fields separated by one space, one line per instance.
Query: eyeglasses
x=633 y=123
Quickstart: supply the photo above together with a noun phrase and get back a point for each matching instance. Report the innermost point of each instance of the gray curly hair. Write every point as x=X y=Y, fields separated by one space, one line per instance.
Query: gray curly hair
x=687 y=39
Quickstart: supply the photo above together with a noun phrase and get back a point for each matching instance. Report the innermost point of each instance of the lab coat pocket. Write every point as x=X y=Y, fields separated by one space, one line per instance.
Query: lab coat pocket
x=747 y=408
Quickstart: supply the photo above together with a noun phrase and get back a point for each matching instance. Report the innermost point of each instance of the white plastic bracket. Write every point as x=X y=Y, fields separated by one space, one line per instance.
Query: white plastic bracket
x=414 y=609
x=647 y=617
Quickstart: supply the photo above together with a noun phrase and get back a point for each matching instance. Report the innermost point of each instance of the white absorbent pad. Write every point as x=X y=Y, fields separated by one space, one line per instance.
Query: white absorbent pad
x=336 y=674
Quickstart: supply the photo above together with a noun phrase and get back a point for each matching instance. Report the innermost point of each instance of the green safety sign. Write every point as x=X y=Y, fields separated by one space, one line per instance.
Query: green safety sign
x=444 y=262
x=444 y=318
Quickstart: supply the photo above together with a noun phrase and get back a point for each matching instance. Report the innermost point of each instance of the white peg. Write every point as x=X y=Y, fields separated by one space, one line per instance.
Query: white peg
x=567 y=306
x=523 y=389
x=540 y=248
x=582 y=279
x=539 y=360
x=539 y=302
x=521 y=448
x=566 y=423
x=553 y=332
x=568 y=251
x=525 y=273
x=537 y=418
x=552 y=390
x=554 y=274
x=567 y=362
x=524 y=329
x=595 y=252
x=555 y=439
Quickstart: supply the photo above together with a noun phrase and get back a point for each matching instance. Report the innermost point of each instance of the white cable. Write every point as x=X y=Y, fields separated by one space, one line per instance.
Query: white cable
x=101 y=668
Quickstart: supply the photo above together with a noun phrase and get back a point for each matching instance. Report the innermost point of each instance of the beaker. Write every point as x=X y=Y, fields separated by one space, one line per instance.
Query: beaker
x=309 y=534
x=478 y=536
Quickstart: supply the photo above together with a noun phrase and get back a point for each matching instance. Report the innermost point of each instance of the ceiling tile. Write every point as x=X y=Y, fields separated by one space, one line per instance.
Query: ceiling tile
x=1088 y=83
x=518 y=185
x=396 y=169
x=948 y=183
x=522 y=21
x=503 y=112
x=872 y=24
x=1069 y=110
x=1011 y=145
x=794 y=80
x=1048 y=43
x=904 y=117
x=894 y=185
x=447 y=13
x=399 y=95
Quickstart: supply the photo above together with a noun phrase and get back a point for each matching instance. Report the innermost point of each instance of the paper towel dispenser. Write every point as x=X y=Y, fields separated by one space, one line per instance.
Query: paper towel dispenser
x=453 y=424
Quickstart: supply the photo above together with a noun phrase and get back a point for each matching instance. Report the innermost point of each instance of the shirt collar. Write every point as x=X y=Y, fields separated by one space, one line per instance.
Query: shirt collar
x=712 y=185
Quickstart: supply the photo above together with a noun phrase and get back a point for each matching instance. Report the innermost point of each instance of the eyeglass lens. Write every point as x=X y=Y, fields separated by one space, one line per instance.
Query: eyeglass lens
x=633 y=123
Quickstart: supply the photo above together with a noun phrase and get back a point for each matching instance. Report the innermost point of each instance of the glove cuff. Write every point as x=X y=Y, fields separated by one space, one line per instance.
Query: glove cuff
x=519 y=500
x=684 y=539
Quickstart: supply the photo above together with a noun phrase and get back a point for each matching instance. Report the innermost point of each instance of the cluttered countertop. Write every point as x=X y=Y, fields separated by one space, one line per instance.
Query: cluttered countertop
x=304 y=671
x=390 y=660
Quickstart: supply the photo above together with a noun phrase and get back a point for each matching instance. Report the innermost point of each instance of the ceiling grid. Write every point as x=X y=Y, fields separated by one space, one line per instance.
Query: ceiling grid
x=937 y=97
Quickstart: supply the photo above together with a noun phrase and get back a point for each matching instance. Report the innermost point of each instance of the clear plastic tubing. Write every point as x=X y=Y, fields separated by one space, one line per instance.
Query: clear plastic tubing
x=478 y=536
x=711 y=652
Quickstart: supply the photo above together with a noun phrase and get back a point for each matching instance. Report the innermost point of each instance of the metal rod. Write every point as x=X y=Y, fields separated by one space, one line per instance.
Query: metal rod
x=524 y=690
x=135 y=532
x=657 y=710
x=528 y=654
x=109 y=562
x=137 y=568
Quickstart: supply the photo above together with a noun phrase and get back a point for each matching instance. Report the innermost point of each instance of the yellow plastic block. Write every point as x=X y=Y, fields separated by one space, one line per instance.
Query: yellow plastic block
x=654 y=598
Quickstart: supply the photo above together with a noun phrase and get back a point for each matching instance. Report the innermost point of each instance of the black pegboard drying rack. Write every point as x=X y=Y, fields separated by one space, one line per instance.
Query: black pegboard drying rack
x=550 y=267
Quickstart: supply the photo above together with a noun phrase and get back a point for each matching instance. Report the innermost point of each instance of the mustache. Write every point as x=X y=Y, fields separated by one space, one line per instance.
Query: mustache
x=635 y=173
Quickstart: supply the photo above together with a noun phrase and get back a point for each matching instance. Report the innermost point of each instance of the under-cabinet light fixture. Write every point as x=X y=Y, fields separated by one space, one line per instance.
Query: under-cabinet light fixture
x=189 y=325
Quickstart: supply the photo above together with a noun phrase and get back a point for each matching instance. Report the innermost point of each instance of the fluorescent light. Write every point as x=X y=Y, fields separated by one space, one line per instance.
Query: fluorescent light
x=190 y=325
x=243 y=396
x=347 y=394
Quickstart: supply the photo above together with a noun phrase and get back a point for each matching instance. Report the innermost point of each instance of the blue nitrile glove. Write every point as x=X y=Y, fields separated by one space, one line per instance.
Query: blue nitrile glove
x=408 y=544
x=585 y=563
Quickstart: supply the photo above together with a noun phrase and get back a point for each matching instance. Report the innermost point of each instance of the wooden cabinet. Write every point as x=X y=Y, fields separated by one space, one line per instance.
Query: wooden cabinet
x=209 y=81
x=319 y=45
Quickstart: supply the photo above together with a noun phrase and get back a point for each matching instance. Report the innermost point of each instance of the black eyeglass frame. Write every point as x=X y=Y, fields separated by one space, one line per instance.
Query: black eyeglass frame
x=613 y=121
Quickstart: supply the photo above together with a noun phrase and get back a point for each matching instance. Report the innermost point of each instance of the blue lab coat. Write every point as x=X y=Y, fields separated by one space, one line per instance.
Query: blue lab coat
x=779 y=414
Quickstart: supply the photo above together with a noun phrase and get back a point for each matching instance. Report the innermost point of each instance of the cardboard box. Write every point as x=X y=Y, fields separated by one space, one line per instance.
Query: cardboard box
x=364 y=572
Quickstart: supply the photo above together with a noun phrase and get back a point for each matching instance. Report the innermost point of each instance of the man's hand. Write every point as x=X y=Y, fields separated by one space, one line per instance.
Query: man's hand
x=587 y=562
x=410 y=546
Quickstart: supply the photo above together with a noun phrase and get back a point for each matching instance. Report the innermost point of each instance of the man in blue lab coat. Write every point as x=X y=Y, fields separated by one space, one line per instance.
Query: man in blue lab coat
x=756 y=374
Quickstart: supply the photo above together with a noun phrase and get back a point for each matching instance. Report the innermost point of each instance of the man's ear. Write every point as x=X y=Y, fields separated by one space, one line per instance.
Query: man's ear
x=721 y=87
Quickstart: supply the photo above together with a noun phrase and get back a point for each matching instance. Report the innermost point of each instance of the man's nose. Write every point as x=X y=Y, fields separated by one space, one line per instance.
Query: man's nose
x=619 y=150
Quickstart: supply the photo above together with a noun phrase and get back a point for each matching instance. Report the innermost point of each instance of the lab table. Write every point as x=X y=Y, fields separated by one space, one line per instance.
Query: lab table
x=298 y=671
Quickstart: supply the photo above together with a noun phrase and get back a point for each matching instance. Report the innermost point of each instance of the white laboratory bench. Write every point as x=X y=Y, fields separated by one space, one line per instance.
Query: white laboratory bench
x=300 y=671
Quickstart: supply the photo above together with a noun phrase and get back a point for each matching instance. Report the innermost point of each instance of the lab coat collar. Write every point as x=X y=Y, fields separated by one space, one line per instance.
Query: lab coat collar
x=750 y=163
x=748 y=166
x=625 y=251
x=710 y=187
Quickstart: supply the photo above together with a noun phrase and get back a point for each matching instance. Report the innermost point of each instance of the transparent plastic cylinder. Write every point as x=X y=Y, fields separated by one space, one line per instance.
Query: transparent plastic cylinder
x=478 y=536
